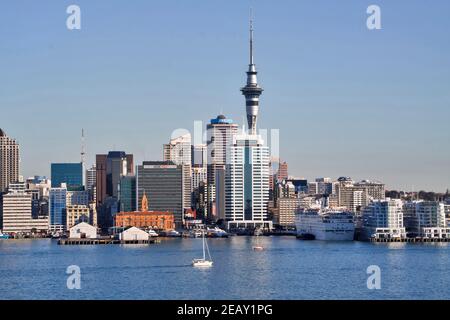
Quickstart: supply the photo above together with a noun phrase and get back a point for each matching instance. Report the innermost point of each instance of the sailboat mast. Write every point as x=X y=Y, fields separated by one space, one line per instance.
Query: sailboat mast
x=204 y=256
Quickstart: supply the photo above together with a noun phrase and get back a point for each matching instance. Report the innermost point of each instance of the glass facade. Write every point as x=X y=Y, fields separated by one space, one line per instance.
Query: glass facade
x=69 y=173
x=127 y=194
x=57 y=206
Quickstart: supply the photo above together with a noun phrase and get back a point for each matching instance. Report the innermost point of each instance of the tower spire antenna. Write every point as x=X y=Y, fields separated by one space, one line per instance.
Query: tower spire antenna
x=83 y=146
x=252 y=90
x=251 y=36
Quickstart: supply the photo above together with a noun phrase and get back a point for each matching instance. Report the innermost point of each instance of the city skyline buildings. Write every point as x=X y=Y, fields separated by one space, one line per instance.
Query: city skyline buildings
x=398 y=171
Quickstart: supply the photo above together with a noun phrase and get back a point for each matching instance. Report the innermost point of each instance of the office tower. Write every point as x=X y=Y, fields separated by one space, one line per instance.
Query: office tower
x=127 y=194
x=351 y=196
x=286 y=202
x=178 y=150
x=9 y=161
x=282 y=171
x=287 y=208
x=69 y=173
x=77 y=214
x=81 y=198
x=325 y=186
x=57 y=209
x=220 y=132
x=247 y=183
x=252 y=90
x=313 y=188
x=165 y=187
x=17 y=211
x=383 y=219
x=301 y=185
x=199 y=154
x=426 y=219
x=91 y=184
x=199 y=176
x=109 y=169
x=375 y=190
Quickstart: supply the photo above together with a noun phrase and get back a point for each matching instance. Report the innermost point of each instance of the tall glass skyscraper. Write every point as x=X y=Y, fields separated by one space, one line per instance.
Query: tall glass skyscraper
x=127 y=194
x=68 y=173
x=57 y=208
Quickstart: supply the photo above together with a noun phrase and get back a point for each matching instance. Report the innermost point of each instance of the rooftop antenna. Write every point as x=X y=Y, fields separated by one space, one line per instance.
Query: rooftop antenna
x=83 y=147
x=251 y=35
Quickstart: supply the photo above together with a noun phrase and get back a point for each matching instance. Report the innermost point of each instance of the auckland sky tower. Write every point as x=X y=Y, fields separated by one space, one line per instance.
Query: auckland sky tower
x=252 y=91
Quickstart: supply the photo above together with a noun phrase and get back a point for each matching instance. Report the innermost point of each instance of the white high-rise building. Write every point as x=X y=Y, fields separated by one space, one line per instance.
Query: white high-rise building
x=178 y=150
x=426 y=219
x=9 y=161
x=247 y=183
x=384 y=219
x=17 y=212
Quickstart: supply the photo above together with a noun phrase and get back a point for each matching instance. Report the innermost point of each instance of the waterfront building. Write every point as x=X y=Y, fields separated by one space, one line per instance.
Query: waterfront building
x=127 y=193
x=17 y=212
x=164 y=185
x=426 y=219
x=133 y=234
x=76 y=214
x=220 y=132
x=57 y=208
x=247 y=183
x=69 y=173
x=9 y=161
x=383 y=219
x=83 y=230
x=287 y=208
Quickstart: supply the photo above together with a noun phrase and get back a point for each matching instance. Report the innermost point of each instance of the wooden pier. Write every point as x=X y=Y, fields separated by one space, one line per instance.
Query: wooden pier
x=409 y=240
x=102 y=241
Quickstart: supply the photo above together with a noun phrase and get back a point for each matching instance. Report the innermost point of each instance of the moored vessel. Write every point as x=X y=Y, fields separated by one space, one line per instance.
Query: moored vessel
x=325 y=224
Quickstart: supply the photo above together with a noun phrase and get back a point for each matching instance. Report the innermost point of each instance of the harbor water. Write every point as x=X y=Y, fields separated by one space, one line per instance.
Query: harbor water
x=286 y=269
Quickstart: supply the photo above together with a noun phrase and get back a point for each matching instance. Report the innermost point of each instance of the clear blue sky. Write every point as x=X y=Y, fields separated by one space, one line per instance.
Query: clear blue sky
x=348 y=101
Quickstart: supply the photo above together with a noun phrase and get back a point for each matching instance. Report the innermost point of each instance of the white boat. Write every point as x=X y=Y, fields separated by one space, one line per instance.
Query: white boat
x=327 y=225
x=173 y=233
x=217 y=232
x=3 y=236
x=258 y=246
x=203 y=262
x=152 y=233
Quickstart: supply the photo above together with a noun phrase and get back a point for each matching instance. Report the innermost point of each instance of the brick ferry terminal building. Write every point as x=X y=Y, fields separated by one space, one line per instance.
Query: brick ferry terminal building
x=144 y=219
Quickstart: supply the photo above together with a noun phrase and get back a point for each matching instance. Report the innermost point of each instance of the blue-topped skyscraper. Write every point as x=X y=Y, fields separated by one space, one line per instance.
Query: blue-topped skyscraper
x=252 y=90
x=69 y=173
x=220 y=132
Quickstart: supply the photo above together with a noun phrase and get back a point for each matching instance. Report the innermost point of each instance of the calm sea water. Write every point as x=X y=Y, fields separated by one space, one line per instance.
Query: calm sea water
x=287 y=269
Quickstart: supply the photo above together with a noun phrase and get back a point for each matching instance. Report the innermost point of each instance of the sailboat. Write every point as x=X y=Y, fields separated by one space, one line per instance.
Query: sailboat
x=258 y=246
x=203 y=263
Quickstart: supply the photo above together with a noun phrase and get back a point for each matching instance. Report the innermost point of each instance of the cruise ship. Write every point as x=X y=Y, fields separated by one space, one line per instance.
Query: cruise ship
x=325 y=224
